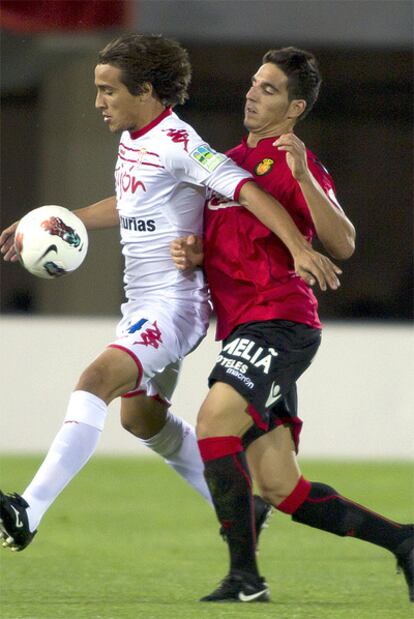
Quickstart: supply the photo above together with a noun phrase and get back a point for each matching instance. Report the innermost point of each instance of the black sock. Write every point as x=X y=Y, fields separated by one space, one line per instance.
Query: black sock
x=229 y=482
x=325 y=509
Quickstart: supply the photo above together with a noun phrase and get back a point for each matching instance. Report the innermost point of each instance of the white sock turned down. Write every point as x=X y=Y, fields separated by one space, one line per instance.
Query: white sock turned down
x=72 y=447
x=177 y=444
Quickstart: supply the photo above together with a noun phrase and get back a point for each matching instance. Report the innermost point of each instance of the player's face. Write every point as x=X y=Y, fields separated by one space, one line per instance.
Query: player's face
x=121 y=111
x=268 y=111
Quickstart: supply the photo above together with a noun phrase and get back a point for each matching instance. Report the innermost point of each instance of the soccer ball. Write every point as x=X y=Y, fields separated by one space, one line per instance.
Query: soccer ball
x=51 y=241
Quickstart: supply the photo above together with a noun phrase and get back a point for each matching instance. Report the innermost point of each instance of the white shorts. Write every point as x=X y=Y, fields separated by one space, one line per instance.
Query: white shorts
x=158 y=336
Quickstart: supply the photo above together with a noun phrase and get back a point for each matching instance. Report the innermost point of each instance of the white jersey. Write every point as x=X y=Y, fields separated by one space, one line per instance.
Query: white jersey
x=161 y=177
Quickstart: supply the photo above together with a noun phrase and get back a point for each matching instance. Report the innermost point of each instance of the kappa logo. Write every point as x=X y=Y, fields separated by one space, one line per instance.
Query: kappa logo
x=151 y=336
x=179 y=136
x=274 y=395
x=264 y=167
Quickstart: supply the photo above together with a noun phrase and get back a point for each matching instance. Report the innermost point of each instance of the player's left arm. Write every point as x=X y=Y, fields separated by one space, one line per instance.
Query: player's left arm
x=309 y=264
x=187 y=252
x=334 y=229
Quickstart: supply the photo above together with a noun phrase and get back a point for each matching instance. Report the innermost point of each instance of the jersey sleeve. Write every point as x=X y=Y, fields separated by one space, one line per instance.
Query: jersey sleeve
x=195 y=162
x=324 y=179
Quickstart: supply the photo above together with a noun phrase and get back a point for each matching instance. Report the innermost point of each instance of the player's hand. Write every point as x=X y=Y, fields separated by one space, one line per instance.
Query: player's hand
x=7 y=243
x=187 y=252
x=296 y=156
x=314 y=267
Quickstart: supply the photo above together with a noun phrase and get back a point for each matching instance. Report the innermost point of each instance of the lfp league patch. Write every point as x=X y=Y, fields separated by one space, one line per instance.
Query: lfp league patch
x=208 y=158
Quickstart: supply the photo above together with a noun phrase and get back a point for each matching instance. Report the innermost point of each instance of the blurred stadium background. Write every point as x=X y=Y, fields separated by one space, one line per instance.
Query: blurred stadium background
x=56 y=150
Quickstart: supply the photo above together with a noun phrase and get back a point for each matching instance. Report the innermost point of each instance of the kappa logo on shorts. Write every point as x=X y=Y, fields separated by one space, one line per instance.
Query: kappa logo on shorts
x=151 y=336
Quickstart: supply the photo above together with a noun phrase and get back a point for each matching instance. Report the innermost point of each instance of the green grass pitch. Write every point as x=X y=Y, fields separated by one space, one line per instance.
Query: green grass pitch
x=129 y=539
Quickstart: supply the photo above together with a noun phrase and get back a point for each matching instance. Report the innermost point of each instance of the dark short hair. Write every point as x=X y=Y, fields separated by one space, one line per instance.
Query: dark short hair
x=150 y=58
x=302 y=71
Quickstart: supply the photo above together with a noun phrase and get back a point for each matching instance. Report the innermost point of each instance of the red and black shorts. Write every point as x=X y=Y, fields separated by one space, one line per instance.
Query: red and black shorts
x=262 y=361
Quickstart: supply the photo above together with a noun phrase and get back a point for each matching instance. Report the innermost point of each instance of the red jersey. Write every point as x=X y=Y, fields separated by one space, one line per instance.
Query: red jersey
x=249 y=270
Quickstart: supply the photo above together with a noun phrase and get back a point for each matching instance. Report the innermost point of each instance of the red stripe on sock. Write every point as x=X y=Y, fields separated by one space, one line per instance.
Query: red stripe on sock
x=238 y=465
x=219 y=446
x=295 y=499
x=323 y=498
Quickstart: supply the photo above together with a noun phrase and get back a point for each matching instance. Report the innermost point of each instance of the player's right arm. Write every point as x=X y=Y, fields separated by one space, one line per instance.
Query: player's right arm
x=102 y=214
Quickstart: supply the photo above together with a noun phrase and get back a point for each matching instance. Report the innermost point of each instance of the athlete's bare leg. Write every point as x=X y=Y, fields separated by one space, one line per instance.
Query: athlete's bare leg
x=223 y=413
x=273 y=464
x=110 y=375
x=143 y=416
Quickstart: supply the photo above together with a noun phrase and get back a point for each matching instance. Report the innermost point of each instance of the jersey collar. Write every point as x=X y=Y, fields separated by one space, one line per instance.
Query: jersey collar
x=262 y=140
x=137 y=134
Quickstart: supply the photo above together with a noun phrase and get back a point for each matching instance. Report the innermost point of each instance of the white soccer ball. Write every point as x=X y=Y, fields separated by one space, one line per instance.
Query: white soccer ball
x=51 y=241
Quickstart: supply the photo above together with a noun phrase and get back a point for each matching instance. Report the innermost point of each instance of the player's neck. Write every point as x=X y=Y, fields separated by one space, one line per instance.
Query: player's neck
x=148 y=113
x=275 y=131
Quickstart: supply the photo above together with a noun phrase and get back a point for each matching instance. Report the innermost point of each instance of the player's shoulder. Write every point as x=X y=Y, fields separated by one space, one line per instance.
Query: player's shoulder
x=316 y=164
x=177 y=138
x=175 y=130
x=236 y=150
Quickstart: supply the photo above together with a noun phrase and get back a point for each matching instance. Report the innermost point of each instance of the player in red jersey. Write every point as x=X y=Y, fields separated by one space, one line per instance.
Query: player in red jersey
x=267 y=317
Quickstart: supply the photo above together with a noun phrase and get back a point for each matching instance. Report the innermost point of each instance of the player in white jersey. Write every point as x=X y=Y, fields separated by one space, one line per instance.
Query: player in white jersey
x=162 y=172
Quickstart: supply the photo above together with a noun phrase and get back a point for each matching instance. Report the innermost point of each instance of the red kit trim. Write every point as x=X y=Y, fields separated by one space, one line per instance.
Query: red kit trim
x=219 y=446
x=137 y=134
x=295 y=499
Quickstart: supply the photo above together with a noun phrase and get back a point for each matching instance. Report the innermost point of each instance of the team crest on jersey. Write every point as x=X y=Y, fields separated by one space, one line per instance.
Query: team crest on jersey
x=208 y=158
x=132 y=155
x=264 y=167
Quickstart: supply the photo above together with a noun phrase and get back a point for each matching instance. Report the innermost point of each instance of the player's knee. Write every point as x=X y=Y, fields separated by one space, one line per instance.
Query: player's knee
x=140 y=426
x=143 y=417
x=209 y=422
x=277 y=490
x=112 y=374
x=130 y=425
x=204 y=426
x=93 y=379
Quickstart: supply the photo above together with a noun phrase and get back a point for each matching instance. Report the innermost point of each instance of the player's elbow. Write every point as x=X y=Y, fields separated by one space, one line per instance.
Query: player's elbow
x=340 y=244
x=344 y=248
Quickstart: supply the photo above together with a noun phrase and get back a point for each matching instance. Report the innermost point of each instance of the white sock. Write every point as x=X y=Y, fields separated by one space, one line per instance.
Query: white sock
x=177 y=444
x=71 y=449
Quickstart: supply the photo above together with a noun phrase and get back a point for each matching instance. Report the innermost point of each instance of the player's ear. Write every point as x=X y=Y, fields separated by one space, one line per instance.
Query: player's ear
x=147 y=91
x=296 y=108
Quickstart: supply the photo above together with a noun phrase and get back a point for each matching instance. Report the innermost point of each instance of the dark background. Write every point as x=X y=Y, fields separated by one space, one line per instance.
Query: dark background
x=361 y=129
